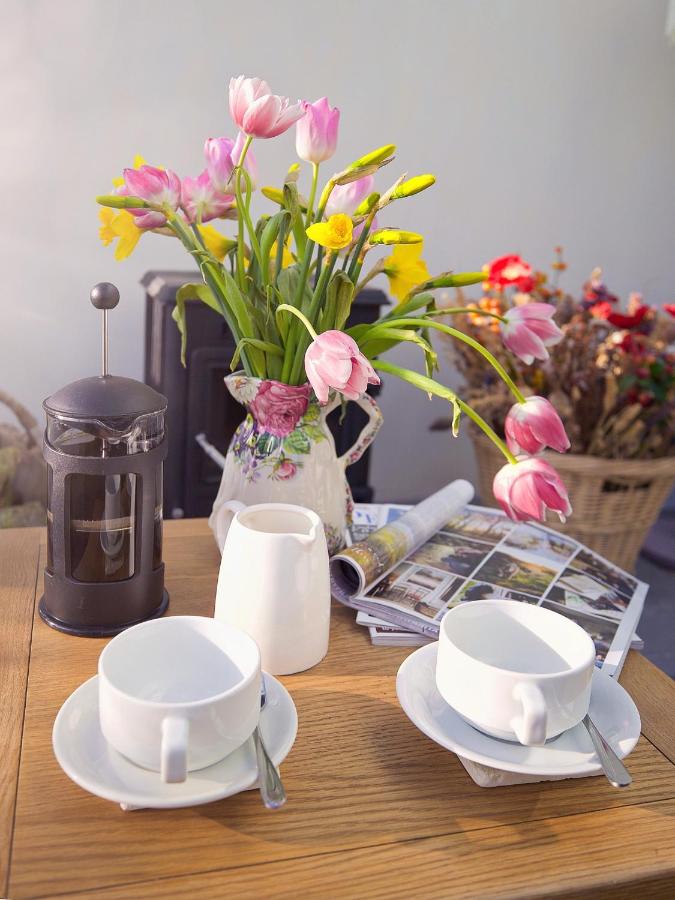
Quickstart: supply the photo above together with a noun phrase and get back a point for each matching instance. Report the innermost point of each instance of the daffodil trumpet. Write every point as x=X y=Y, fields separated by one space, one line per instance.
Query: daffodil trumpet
x=285 y=284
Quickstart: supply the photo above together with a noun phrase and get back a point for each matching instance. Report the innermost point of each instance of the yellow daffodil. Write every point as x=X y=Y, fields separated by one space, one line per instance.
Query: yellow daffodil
x=335 y=234
x=405 y=269
x=286 y=256
x=216 y=243
x=138 y=162
x=119 y=225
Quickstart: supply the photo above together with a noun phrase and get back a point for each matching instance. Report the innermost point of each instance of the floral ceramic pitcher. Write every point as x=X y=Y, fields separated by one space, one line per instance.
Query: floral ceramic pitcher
x=284 y=452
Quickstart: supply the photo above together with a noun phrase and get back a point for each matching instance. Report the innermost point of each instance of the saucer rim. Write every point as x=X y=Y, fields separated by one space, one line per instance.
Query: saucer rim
x=476 y=756
x=155 y=801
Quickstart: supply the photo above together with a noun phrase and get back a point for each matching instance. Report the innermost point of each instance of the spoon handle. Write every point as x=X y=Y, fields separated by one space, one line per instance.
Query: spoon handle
x=617 y=774
x=271 y=789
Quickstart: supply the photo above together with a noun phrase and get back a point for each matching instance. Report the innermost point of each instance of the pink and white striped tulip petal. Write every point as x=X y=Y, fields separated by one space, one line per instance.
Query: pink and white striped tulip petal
x=316 y=132
x=529 y=329
x=158 y=186
x=534 y=425
x=333 y=360
x=201 y=201
x=258 y=112
x=526 y=489
x=222 y=154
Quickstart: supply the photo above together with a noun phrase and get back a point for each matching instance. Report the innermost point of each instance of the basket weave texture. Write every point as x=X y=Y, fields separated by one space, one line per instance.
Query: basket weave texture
x=615 y=502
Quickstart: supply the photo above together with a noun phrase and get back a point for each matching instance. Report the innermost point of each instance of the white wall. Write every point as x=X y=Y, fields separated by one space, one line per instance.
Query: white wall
x=546 y=121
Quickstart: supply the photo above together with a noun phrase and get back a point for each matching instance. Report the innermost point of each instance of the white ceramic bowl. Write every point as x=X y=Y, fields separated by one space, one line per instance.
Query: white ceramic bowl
x=180 y=693
x=513 y=670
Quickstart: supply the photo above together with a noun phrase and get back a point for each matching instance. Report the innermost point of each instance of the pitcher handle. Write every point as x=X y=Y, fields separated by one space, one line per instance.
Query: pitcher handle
x=368 y=432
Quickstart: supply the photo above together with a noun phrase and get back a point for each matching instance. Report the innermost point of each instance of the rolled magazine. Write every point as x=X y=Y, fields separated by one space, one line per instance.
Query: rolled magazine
x=355 y=568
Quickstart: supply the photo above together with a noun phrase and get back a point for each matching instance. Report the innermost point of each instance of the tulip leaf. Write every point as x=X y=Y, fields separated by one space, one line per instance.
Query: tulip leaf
x=264 y=346
x=428 y=385
x=270 y=233
x=338 y=303
x=184 y=293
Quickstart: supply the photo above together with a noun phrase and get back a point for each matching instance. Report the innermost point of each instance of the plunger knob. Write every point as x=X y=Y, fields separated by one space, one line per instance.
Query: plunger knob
x=105 y=295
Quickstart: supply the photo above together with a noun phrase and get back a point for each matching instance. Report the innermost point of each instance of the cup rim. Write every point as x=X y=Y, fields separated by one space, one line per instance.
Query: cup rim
x=177 y=704
x=511 y=604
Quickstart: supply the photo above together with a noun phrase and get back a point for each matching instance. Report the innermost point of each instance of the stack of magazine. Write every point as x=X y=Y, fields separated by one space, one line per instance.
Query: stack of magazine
x=403 y=580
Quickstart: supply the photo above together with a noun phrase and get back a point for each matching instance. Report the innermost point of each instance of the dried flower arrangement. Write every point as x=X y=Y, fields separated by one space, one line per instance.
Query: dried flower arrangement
x=611 y=378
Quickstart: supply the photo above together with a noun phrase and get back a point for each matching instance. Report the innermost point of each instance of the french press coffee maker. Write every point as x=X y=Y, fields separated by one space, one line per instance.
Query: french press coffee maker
x=104 y=446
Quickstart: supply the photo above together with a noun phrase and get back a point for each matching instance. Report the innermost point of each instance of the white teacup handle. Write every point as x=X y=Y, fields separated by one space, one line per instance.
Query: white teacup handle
x=530 y=728
x=173 y=754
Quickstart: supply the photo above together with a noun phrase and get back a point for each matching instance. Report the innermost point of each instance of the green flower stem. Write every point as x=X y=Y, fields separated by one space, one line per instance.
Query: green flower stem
x=319 y=291
x=465 y=338
x=300 y=315
x=357 y=262
x=432 y=387
x=244 y=217
x=312 y=194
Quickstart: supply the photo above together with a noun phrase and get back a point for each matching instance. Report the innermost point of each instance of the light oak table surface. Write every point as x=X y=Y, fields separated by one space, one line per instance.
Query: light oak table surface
x=375 y=808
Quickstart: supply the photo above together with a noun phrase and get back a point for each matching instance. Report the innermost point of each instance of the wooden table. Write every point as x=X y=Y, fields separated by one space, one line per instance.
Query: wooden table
x=375 y=808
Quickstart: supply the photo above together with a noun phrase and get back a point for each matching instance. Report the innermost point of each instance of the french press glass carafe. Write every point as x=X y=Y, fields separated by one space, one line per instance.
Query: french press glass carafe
x=104 y=446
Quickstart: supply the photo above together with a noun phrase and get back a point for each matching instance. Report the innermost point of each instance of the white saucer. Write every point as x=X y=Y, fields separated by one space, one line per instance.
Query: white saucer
x=86 y=757
x=568 y=755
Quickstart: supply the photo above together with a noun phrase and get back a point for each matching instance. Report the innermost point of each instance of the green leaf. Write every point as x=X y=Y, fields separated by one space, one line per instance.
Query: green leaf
x=297 y=442
x=270 y=233
x=411 y=305
x=267 y=444
x=338 y=304
x=428 y=385
x=314 y=432
x=263 y=346
x=379 y=340
x=184 y=293
x=312 y=413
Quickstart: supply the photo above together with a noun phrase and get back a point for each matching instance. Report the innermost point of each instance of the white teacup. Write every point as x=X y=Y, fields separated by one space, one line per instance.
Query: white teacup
x=514 y=671
x=179 y=694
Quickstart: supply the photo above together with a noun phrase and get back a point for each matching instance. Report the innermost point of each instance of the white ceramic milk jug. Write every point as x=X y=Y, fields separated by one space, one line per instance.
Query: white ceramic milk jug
x=274 y=583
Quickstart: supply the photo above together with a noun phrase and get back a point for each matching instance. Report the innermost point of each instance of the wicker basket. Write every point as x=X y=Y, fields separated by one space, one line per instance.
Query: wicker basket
x=615 y=501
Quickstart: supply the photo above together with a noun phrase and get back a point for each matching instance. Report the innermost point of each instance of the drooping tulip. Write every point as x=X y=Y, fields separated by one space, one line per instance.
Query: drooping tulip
x=527 y=488
x=222 y=154
x=201 y=201
x=508 y=270
x=529 y=329
x=333 y=360
x=534 y=425
x=316 y=132
x=161 y=187
x=257 y=111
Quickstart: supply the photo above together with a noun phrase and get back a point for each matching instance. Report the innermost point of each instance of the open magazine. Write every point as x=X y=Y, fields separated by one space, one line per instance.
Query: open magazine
x=478 y=553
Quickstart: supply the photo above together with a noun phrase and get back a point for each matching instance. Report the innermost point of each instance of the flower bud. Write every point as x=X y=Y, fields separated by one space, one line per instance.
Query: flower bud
x=413 y=186
x=395 y=236
x=375 y=157
x=366 y=204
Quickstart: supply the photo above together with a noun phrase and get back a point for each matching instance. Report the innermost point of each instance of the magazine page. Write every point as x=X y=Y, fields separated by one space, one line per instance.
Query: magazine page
x=481 y=553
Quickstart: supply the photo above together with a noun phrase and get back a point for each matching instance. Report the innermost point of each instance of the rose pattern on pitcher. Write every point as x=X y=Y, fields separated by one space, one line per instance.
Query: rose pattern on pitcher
x=281 y=424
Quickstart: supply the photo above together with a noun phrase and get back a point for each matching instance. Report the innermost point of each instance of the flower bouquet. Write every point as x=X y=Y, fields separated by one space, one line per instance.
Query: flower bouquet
x=284 y=285
x=612 y=378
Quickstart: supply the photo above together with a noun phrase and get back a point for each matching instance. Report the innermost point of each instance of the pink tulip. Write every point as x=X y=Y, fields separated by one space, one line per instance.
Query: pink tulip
x=529 y=330
x=201 y=201
x=161 y=187
x=222 y=155
x=333 y=360
x=533 y=425
x=257 y=111
x=526 y=489
x=316 y=132
x=345 y=198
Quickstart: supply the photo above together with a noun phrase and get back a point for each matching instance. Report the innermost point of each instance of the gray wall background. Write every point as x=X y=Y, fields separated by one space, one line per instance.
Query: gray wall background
x=545 y=121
